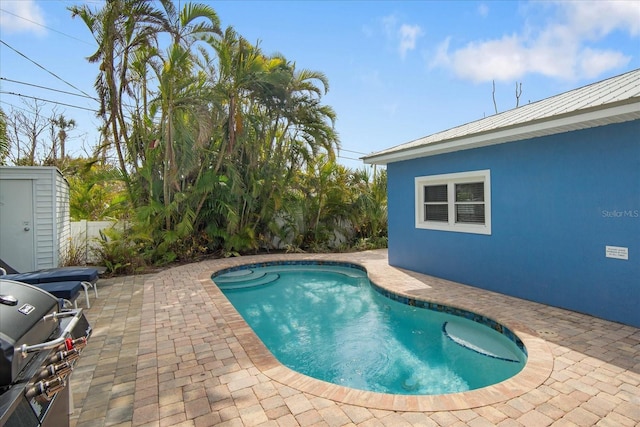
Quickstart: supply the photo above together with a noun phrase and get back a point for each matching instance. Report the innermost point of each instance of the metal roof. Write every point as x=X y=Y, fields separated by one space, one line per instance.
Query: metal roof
x=613 y=100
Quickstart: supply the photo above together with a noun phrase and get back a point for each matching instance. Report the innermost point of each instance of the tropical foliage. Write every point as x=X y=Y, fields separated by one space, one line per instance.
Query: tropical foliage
x=219 y=147
x=96 y=190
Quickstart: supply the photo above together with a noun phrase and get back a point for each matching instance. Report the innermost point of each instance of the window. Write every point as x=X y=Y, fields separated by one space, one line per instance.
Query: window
x=454 y=202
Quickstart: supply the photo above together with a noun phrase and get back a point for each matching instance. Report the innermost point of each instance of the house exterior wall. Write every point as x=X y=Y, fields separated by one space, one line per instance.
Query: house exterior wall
x=556 y=202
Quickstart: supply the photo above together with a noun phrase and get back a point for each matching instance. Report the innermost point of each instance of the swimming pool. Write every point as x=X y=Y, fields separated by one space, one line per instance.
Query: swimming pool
x=329 y=322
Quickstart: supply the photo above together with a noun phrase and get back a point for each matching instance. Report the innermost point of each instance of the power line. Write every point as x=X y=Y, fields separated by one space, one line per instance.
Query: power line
x=48 y=88
x=48 y=28
x=14 y=106
x=58 y=90
x=345 y=157
x=50 y=72
x=47 y=100
x=75 y=106
x=351 y=151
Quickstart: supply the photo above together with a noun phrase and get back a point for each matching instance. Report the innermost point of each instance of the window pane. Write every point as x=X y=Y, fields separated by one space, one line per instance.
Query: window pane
x=435 y=193
x=472 y=192
x=436 y=213
x=473 y=214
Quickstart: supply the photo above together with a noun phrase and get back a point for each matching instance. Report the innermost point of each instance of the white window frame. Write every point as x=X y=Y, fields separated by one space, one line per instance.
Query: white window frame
x=451 y=179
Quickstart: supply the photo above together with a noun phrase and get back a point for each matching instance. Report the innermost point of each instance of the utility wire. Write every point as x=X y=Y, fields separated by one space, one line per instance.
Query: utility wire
x=351 y=151
x=53 y=74
x=58 y=90
x=74 y=106
x=85 y=95
x=48 y=28
x=345 y=157
x=47 y=100
x=47 y=88
x=14 y=106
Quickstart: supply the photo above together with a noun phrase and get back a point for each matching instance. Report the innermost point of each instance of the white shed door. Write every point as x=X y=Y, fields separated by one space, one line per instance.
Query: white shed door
x=16 y=223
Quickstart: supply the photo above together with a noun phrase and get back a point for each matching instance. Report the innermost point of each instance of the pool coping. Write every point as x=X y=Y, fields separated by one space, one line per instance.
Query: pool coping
x=537 y=369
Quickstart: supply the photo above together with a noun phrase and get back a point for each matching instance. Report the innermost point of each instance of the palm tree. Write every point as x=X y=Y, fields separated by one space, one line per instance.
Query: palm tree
x=127 y=33
x=63 y=124
x=191 y=23
x=182 y=101
x=240 y=65
x=211 y=142
x=370 y=202
x=181 y=91
x=119 y=28
x=274 y=125
x=142 y=127
x=4 y=139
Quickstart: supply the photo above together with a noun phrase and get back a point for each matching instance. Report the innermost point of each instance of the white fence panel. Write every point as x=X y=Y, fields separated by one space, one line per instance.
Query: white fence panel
x=85 y=236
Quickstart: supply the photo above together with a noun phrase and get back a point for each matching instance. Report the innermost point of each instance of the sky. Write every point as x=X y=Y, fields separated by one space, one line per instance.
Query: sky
x=397 y=70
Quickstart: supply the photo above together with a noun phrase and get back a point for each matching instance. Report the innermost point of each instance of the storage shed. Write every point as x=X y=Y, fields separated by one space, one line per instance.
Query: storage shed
x=541 y=202
x=34 y=217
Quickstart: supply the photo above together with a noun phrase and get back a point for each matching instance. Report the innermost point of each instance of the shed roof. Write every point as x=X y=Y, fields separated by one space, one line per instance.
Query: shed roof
x=613 y=100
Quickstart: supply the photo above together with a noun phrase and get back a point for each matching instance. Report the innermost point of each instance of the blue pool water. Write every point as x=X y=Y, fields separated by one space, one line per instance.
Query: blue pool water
x=328 y=322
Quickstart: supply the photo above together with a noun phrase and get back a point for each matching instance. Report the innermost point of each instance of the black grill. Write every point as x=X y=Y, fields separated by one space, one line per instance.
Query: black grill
x=39 y=345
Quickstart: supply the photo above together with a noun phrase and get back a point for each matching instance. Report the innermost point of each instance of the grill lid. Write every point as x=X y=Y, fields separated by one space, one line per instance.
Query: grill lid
x=22 y=321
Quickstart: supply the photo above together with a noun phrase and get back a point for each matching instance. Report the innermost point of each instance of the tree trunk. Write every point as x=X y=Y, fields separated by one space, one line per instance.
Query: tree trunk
x=168 y=156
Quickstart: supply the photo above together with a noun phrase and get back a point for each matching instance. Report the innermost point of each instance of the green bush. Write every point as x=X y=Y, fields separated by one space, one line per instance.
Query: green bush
x=119 y=253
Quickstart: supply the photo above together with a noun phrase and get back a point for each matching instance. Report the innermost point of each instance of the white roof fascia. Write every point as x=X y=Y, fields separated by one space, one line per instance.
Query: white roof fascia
x=545 y=127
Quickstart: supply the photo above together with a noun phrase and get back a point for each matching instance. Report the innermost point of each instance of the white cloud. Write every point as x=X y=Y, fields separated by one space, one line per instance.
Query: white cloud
x=483 y=10
x=23 y=16
x=502 y=59
x=389 y=25
x=442 y=58
x=598 y=18
x=404 y=36
x=595 y=62
x=559 y=49
x=408 y=36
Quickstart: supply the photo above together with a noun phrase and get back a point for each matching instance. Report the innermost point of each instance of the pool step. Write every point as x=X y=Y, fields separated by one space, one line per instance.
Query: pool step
x=236 y=273
x=345 y=271
x=482 y=342
x=248 y=282
x=238 y=276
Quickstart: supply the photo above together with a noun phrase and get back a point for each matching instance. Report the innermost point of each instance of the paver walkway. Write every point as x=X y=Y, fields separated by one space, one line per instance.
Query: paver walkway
x=168 y=350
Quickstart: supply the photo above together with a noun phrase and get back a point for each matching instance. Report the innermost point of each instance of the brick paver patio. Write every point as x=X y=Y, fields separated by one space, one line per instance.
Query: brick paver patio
x=169 y=350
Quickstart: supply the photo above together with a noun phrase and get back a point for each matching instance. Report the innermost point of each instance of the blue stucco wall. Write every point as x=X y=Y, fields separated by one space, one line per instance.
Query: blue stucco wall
x=556 y=203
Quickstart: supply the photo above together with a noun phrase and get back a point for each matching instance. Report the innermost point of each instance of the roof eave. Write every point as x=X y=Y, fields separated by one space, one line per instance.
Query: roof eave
x=555 y=125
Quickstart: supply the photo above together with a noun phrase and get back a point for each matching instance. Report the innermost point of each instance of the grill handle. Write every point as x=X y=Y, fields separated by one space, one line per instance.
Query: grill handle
x=76 y=313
